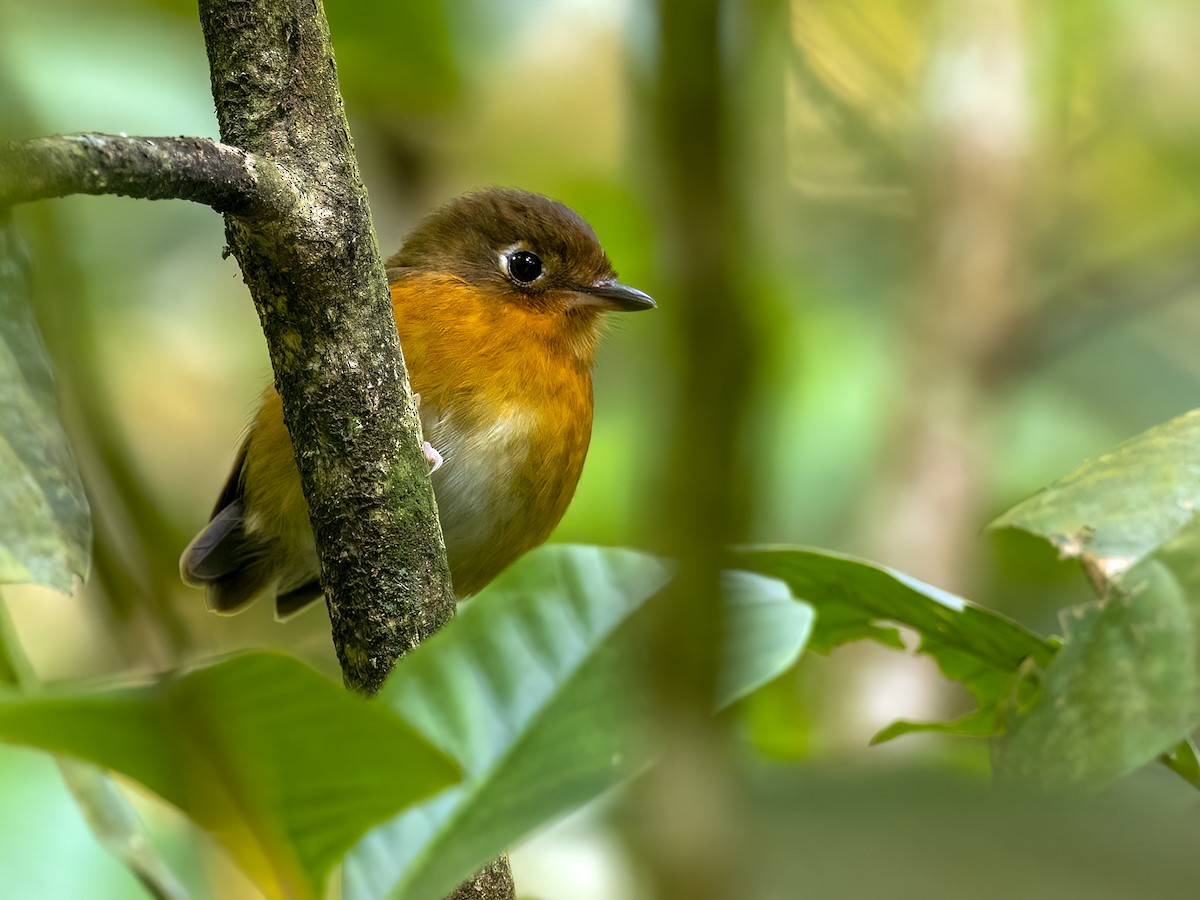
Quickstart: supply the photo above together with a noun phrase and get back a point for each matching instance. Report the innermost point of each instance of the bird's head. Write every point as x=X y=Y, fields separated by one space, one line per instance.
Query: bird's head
x=522 y=248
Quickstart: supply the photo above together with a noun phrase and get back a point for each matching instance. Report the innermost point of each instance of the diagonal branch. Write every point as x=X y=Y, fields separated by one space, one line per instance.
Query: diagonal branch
x=298 y=221
x=319 y=285
x=226 y=178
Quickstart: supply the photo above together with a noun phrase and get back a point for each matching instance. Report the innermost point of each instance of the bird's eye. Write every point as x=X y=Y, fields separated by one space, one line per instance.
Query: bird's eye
x=524 y=267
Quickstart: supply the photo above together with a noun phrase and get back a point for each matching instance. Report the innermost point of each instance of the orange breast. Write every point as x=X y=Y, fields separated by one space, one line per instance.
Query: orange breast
x=506 y=398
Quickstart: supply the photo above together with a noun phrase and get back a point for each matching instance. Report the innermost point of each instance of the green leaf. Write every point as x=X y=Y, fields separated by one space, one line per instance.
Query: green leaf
x=989 y=654
x=533 y=689
x=280 y=764
x=765 y=632
x=1184 y=760
x=45 y=526
x=1125 y=688
x=1116 y=509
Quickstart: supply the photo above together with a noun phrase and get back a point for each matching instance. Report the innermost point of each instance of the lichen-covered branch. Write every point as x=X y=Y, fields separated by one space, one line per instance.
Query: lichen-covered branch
x=319 y=285
x=298 y=222
x=493 y=882
x=318 y=282
x=226 y=178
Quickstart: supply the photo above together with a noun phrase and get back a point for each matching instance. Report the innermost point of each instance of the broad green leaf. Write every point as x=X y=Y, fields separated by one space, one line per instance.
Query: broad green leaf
x=853 y=599
x=45 y=526
x=1116 y=509
x=1125 y=688
x=280 y=764
x=533 y=689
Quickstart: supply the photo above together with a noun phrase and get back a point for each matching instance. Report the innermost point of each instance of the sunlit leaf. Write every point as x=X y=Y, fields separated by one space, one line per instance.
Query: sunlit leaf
x=854 y=599
x=533 y=689
x=283 y=766
x=45 y=526
x=1125 y=687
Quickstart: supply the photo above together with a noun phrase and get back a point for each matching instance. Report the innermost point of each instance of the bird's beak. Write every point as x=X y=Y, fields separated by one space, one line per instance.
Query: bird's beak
x=610 y=294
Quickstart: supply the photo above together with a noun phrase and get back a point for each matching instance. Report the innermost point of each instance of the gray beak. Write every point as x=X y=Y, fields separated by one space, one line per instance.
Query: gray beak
x=610 y=294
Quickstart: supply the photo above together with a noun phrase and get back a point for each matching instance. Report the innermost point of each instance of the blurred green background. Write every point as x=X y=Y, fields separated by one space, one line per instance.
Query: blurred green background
x=971 y=250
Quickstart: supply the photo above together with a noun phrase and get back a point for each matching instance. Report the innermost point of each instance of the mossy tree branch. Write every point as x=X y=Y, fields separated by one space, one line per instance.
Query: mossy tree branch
x=297 y=220
x=319 y=285
x=151 y=168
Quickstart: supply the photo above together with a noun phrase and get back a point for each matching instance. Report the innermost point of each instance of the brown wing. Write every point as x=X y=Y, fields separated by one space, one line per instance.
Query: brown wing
x=233 y=567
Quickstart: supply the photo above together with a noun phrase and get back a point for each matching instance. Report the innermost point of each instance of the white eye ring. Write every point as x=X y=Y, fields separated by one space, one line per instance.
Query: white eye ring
x=527 y=258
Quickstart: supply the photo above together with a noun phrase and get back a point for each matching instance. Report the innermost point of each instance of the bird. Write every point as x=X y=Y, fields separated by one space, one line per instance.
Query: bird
x=499 y=297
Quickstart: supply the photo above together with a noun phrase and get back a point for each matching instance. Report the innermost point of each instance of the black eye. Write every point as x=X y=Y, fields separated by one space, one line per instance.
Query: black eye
x=524 y=266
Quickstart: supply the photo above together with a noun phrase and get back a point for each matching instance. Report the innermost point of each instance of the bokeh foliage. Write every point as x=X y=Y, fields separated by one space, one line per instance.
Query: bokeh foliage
x=968 y=257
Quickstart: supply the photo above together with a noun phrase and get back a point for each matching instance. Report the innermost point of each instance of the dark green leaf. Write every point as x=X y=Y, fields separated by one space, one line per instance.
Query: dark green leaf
x=45 y=526
x=284 y=767
x=8 y=669
x=1125 y=687
x=854 y=599
x=532 y=688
